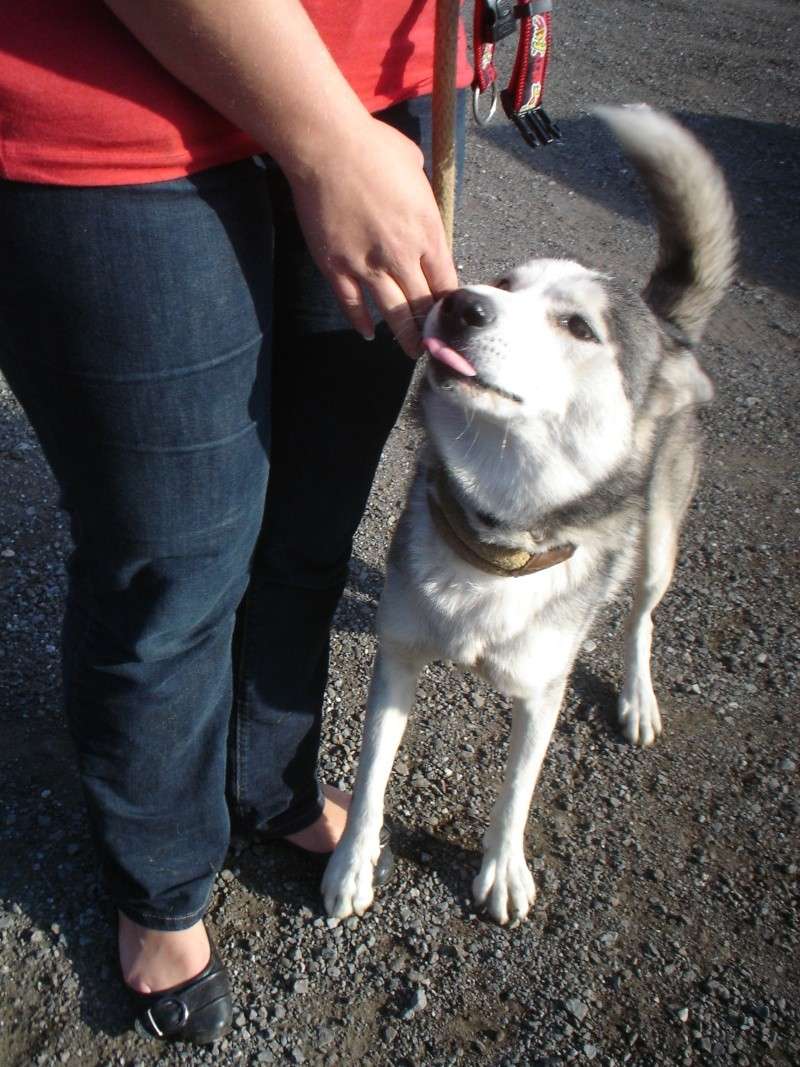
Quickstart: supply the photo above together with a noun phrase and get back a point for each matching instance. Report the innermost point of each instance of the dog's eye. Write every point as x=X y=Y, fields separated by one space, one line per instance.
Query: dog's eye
x=503 y=283
x=579 y=328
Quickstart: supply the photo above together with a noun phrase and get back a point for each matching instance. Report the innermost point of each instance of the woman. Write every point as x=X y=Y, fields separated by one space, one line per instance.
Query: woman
x=189 y=330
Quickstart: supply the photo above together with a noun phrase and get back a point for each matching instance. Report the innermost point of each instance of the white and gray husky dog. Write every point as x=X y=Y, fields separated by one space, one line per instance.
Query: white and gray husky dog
x=562 y=452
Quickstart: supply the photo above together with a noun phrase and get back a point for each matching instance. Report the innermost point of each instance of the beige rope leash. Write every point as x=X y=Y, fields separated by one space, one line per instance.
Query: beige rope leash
x=444 y=107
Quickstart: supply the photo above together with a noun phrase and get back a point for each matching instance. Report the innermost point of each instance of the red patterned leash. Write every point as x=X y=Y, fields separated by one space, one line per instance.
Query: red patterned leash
x=522 y=99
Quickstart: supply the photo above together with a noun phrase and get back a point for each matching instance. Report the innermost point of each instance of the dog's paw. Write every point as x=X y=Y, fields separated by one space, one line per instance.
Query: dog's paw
x=347 y=882
x=639 y=716
x=504 y=886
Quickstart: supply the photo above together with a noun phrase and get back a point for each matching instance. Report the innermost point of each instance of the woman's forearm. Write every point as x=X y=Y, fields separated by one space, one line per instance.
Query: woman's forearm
x=260 y=63
x=363 y=201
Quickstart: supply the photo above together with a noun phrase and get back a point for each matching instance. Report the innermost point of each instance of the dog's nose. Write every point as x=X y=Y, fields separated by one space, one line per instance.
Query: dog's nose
x=463 y=308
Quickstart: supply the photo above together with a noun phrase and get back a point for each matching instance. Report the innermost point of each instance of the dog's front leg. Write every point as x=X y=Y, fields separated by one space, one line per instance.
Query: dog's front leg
x=504 y=885
x=347 y=885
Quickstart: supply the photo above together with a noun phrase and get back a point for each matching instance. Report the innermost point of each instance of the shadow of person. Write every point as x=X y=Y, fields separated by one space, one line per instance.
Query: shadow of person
x=359 y=602
x=53 y=908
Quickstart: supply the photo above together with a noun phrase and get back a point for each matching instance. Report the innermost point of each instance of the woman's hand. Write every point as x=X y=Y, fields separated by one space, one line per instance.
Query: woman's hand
x=372 y=225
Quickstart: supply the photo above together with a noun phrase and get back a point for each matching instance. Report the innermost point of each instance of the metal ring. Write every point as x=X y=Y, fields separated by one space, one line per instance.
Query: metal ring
x=179 y=1026
x=484 y=120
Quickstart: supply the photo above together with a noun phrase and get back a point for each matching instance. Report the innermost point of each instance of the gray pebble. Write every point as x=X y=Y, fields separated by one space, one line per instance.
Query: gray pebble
x=419 y=1001
x=577 y=1008
x=325 y=1036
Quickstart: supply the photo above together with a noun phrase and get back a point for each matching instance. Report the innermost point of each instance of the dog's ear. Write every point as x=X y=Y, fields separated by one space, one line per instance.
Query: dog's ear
x=680 y=383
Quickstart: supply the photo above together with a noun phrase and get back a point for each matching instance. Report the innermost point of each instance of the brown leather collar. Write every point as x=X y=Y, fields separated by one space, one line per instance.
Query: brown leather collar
x=452 y=525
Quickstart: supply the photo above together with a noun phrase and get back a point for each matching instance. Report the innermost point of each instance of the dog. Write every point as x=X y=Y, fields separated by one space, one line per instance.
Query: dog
x=562 y=452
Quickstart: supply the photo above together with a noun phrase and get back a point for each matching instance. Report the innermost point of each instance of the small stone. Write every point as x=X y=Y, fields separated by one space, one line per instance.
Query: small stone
x=301 y=985
x=325 y=1036
x=419 y=1001
x=589 y=1051
x=589 y=646
x=240 y=1019
x=389 y=1034
x=682 y=1014
x=788 y=765
x=227 y=875
x=577 y=1008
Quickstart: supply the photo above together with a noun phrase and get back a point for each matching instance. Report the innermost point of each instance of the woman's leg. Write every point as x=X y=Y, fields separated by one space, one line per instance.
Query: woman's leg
x=134 y=328
x=336 y=397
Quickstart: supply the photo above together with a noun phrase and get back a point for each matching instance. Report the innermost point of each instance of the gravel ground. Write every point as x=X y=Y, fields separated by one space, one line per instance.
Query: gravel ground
x=666 y=925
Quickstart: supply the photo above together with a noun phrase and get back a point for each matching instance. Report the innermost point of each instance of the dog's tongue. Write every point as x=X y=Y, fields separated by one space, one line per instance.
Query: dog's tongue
x=439 y=350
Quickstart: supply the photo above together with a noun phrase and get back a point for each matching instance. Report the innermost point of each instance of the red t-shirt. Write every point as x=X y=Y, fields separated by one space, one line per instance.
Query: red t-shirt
x=83 y=103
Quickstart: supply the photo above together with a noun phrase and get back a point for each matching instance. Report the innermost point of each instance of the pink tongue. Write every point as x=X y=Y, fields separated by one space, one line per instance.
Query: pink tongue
x=439 y=350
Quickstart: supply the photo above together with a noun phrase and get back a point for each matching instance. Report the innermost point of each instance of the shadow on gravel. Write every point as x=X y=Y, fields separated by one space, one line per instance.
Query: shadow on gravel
x=761 y=161
x=48 y=875
x=49 y=872
x=598 y=698
x=271 y=872
x=359 y=603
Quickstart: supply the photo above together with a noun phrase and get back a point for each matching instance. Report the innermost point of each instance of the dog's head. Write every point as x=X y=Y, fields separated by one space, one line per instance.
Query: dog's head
x=568 y=361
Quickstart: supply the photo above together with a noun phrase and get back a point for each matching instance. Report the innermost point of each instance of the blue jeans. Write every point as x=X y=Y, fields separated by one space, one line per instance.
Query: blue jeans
x=214 y=426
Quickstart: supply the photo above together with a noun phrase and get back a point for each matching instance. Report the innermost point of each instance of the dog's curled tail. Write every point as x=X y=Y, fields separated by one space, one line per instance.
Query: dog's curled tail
x=696 y=226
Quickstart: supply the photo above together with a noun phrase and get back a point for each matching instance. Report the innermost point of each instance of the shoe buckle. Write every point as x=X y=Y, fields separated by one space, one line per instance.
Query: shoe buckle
x=181 y=1023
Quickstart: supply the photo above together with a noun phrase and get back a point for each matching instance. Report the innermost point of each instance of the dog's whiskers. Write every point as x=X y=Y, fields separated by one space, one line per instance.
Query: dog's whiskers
x=472 y=444
x=467 y=424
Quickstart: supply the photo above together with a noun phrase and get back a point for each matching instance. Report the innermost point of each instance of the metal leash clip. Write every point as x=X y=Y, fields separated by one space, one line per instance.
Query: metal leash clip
x=522 y=99
x=484 y=118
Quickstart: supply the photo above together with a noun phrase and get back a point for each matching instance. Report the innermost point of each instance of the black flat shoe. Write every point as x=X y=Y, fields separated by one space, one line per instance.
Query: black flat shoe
x=313 y=864
x=198 y=1011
